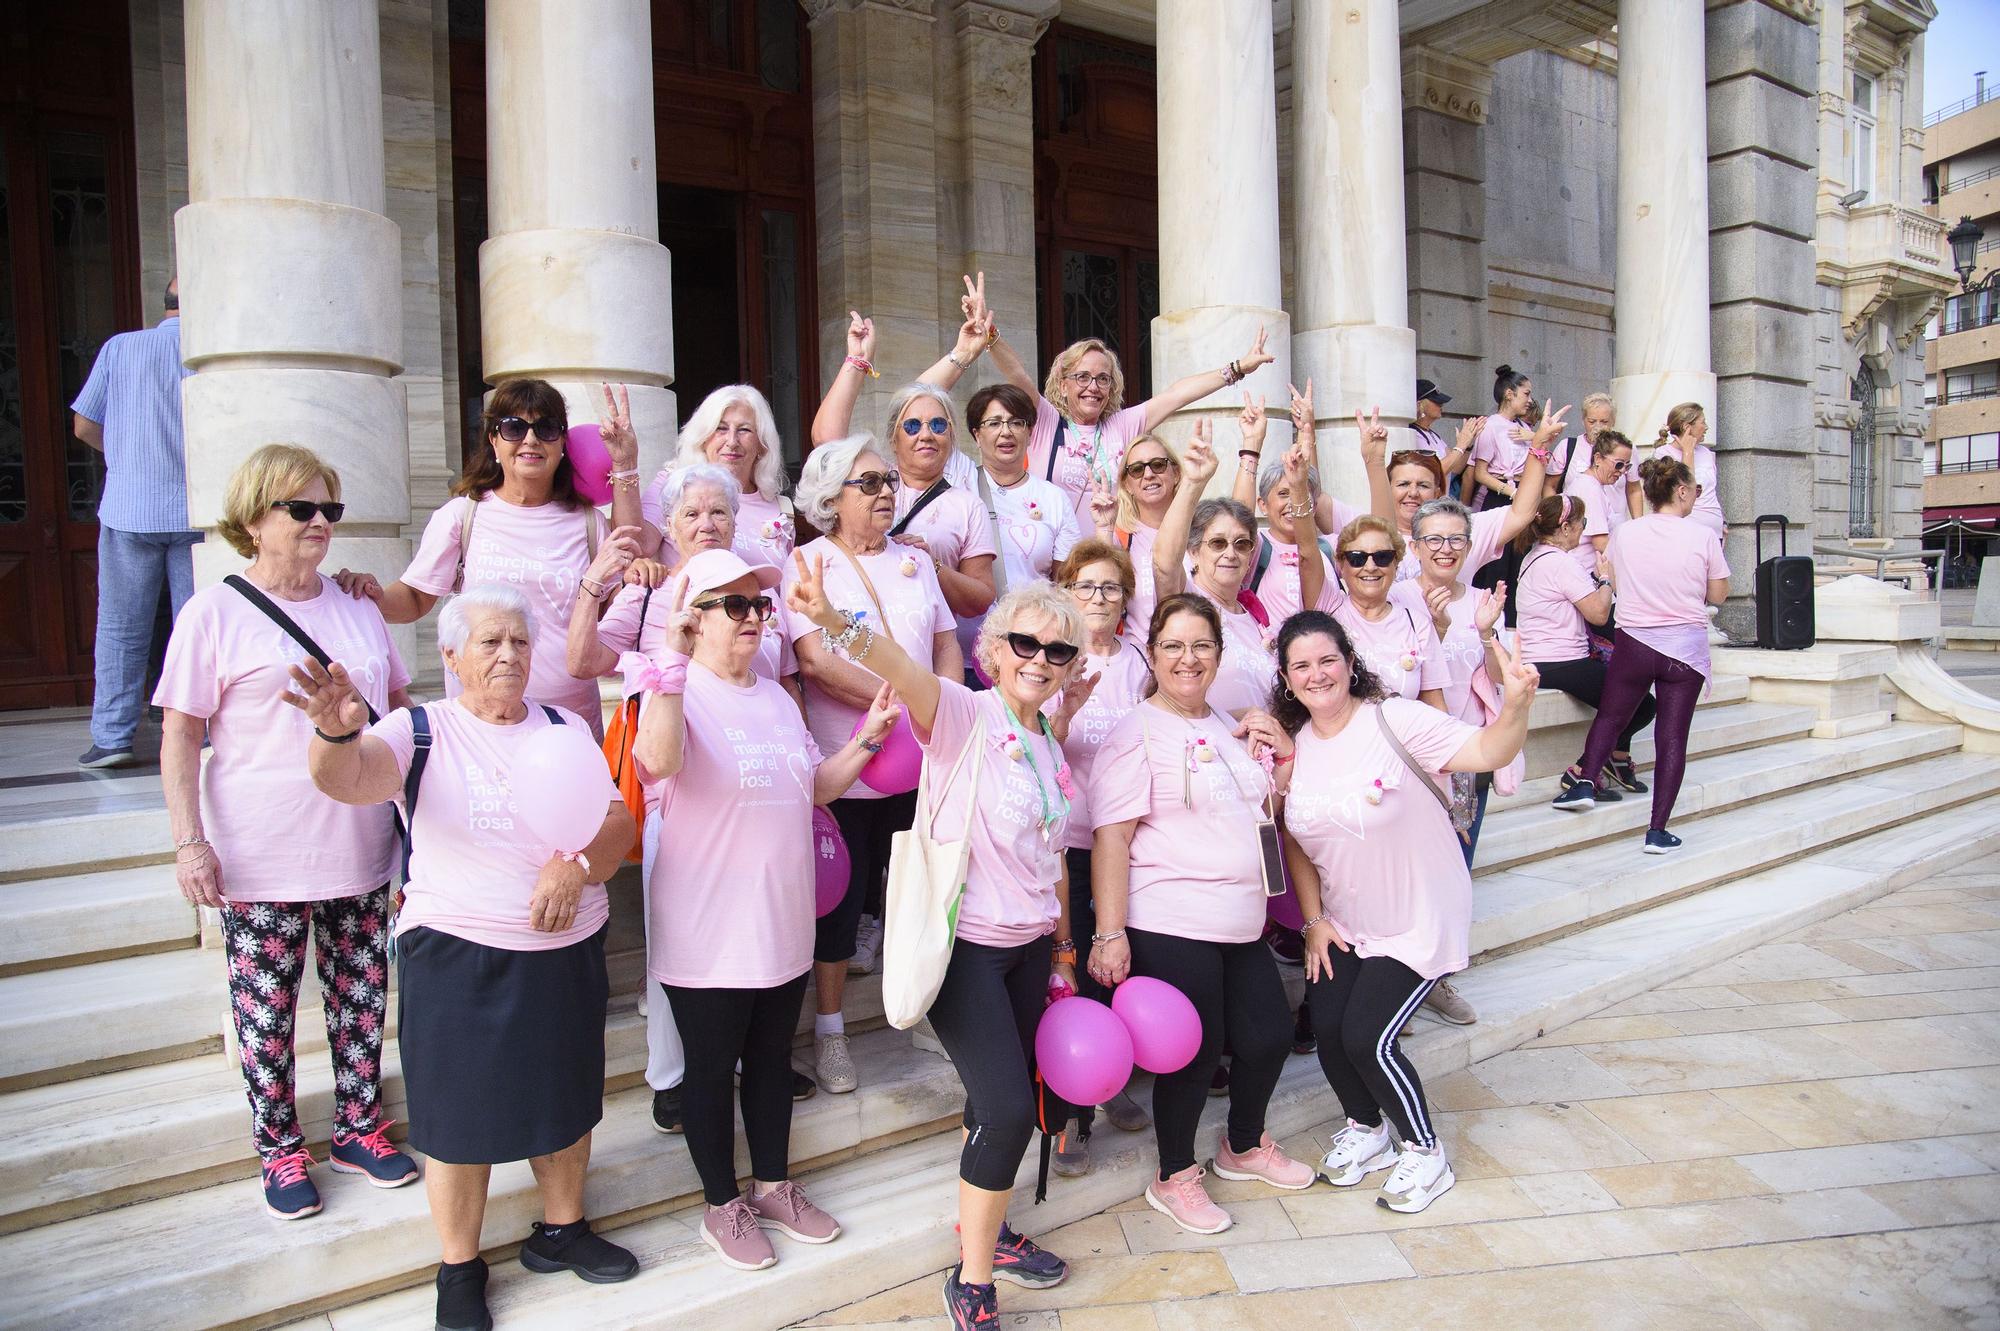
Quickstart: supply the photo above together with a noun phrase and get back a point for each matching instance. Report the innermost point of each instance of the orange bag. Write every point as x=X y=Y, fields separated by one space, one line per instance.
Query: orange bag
x=618 y=739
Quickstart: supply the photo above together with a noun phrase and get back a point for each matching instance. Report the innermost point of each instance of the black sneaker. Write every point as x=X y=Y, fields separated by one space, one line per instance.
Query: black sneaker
x=461 y=1297
x=1662 y=842
x=94 y=757
x=970 y=1307
x=803 y=1088
x=1021 y=1261
x=667 y=1110
x=591 y=1256
x=1577 y=795
x=1303 y=1039
x=1626 y=775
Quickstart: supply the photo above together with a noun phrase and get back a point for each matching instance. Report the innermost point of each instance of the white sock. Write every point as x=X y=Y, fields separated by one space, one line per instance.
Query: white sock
x=829 y=1023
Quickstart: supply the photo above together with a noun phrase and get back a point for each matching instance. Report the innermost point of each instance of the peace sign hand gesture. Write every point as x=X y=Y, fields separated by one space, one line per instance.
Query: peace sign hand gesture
x=1256 y=358
x=683 y=624
x=1302 y=410
x=1252 y=422
x=1103 y=505
x=807 y=595
x=860 y=337
x=1520 y=678
x=1551 y=426
x=1374 y=436
x=328 y=698
x=616 y=427
x=1198 y=463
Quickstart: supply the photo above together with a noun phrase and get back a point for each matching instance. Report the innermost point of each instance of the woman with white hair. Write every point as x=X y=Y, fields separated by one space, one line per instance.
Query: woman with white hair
x=733 y=429
x=500 y=943
x=848 y=491
x=1005 y=789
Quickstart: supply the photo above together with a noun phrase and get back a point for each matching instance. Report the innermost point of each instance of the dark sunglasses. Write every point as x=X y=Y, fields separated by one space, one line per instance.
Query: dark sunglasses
x=870 y=483
x=914 y=427
x=1361 y=558
x=515 y=428
x=1618 y=468
x=739 y=608
x=302 y=510
x=1057 y=653
x=1148 y=467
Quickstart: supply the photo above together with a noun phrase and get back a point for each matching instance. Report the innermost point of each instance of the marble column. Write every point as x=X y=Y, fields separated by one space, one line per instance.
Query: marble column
x=574 y=285
x=1444 y=218
x=290 y=270
x=1219 y=261
x=1660 y=305
x=1351 y=302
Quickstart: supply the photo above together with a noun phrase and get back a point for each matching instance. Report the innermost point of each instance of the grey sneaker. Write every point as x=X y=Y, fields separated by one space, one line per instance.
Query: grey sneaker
x=835 y=1069
x=1125 y=1113
x=1450 y=1004
x=867 y=956
x=95 y=758
x=1072 y=1153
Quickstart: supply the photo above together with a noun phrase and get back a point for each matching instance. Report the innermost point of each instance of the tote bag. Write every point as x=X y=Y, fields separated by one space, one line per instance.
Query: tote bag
x=926 y=883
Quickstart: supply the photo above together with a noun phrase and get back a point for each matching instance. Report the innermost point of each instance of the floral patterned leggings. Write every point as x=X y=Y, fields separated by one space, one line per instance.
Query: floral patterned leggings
x=266 y=944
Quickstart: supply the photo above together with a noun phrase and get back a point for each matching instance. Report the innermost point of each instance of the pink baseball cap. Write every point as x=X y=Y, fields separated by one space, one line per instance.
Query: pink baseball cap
x=718 y=568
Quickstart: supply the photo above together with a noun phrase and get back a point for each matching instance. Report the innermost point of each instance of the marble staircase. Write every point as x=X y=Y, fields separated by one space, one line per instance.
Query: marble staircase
x=126 y=1156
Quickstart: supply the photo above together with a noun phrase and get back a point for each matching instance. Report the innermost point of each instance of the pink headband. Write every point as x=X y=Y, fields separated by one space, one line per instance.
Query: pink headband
x=1564 y=520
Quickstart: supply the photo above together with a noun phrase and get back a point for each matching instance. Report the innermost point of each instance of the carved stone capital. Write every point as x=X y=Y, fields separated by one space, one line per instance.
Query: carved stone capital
x=1913 y=137
x=1832 y=104
x=1023 y=20
x=1446 y=84
x=819 y=9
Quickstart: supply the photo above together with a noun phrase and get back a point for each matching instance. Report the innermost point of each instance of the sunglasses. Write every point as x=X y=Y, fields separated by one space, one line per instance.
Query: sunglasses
x=872 y=483
x=1222 y=545
x=739 y=608
x=515 y=428
x=1362 y=558
x=938 y=425
x=1148 y=467
x=302 y=510
x=1618 y=468
x=1004 y=422
x=1055 y=653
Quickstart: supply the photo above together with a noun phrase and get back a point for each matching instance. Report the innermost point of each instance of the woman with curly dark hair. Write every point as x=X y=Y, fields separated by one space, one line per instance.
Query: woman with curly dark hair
x=1385 y=892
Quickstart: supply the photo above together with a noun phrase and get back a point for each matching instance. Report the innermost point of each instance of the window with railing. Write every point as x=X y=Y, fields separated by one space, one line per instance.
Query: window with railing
x=1972 y=309
x=1954 y=183
x=1967 y=452
x=1971 y=384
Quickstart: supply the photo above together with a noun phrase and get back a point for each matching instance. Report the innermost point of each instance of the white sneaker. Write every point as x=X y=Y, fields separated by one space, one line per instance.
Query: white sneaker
x=644 y=997
x=923 y=1036
x=867 y=947
x=835 y=1070
x=1357 y=1152
x=1420 y=1178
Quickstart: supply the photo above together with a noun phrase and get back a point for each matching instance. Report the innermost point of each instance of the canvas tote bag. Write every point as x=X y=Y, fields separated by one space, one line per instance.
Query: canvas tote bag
x=926 y=882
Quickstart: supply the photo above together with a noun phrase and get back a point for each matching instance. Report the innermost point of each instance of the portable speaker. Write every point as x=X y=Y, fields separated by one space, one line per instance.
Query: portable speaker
x=1784 y=594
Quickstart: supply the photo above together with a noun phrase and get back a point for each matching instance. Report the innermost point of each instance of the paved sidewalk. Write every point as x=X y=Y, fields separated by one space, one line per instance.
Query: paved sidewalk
x=1807 y=1136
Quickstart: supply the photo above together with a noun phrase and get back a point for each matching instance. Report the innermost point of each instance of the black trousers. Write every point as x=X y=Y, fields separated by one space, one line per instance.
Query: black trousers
x=866 y=826
x=1584 y=681
x=1358 y=1011
x=718 y=1027
x=1082 y=924
x=1236 y=989
x=985 y=1017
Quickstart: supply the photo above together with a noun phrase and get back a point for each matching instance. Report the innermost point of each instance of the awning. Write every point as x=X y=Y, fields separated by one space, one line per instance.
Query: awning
x=1985 y=514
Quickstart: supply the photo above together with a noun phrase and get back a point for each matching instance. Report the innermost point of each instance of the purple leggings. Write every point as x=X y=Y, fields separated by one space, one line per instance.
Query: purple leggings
x=1676 y=686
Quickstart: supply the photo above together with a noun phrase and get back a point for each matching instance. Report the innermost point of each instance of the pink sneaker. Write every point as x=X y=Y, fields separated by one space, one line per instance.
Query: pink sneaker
x=733 y=1232
x=786 y=1209
x=1183 y=1200
x=1266 y=1164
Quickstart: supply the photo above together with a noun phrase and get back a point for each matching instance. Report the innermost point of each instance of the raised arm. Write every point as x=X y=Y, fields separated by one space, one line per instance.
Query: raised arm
x=882 y=654
x=973 y=335
x=1250 y=453
x=1195 y=387
x=1495 y=745
x=622 y=443
x=1170 y=546
x=836 y=409
x=353 y=771
x=1528 y=494
x=1008 y=361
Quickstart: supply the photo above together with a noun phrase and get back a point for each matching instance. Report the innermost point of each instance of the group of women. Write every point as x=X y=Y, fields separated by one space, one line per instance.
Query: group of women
x=1164 y=709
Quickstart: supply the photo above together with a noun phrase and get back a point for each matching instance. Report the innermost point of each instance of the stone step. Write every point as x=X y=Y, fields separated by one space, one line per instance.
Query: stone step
x=56 y=921
x=77 y=1020
x=61 y=829
x=897 y=1208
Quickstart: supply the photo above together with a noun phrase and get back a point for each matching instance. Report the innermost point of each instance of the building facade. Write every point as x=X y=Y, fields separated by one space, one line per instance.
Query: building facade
x=378 y=207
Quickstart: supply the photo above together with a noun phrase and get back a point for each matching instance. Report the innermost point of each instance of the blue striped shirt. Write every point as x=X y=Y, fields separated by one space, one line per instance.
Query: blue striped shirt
x=134 y=392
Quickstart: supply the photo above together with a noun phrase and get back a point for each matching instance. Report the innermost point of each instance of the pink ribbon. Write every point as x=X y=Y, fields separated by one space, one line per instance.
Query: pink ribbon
x=643 y=675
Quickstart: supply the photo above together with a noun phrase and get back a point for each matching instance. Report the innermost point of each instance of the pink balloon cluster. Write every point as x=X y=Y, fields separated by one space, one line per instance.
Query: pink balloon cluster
x=1086 y=1051
x=831 y=866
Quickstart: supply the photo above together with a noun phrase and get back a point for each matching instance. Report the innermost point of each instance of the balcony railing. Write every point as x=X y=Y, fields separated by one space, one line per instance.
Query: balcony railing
x=1966 y=320
x=1957 y=183
x=1972 y=394
x=1977 y=464
x=1962 y=105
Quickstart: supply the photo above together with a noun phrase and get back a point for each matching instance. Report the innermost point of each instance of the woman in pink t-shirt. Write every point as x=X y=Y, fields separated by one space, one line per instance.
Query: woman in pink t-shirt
x=255 y=840
x=1147 y=484
x=1399 y=643
x=733 y=429
x=1004 y=790
x=1557 y=603
x=732 y=905
x=1415 y=479
x=1386 y=895
x=1683 y=439
x=1501 y=449
x=1666 y=570
x=500 y=944
x=1177 y=879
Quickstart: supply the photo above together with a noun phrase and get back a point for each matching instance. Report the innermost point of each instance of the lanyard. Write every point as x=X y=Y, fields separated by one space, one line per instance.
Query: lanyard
x=1041 y=791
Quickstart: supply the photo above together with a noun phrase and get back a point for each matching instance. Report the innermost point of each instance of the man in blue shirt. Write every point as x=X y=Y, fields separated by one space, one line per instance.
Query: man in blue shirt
x=130 y=410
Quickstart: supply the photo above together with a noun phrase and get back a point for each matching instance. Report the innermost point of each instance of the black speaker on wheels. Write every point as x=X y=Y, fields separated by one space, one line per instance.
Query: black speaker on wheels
x=1784 y=594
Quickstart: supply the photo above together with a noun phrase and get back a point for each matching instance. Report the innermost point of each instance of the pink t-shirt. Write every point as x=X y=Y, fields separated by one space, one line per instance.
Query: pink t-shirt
x=622 y=631
x=916 y=609
x=1139 y=615
x=1197 y=869
x=764 y=529
x=1662 y=565
x=276 y=836
x=1432 y=440
x=1487 y=542
x=1708 y=504
x=1121 y=683
x=1249 y=665
x=1459 y=652
x=1391 y=873
x=953 y=526
x=1550 y=626
x=1605 y=510
x=473 y=862
x=542 y=552
x=1089 y=453
x=732 y=906
x=1010 y=881
x=1401 y=648
x=1496 y=446
x=1279 y=590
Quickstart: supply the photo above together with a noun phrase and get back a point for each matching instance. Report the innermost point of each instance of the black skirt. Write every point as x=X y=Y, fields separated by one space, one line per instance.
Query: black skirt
x=503 y=1051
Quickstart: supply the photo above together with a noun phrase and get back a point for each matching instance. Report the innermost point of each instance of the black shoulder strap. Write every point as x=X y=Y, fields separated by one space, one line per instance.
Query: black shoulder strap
x=413 y=780
x=938 y=487
x=1056 y=446
x=645 y=604
x=255 y=597
x=1263 y=562
x=1561 y=473
x=555 y=717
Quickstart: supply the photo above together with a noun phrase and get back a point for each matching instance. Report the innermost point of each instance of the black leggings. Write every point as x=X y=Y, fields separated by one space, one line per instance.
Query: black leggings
x=985 y=1017
x=1358 y=1011
x=1082 y=924
x=1635 y=668
x=866 y=826
x=1584 y=681
x=1236 y=989
x=718 y=1027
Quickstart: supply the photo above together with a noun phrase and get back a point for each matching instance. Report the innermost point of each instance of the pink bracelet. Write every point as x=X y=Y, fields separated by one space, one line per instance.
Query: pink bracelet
x=862 y=366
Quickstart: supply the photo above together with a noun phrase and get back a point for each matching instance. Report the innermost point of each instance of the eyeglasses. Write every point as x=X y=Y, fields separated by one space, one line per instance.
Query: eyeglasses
x=302 y=510
x=1222 y=545
x=739 y=608
x=1097 y=591
x=871 y=483
x=1148 y=467
x=1204 y=649
x=914 y=427
x=1004 y=422
x=1056 y=653
x=1429 y=543
x=1362 y=558
x=1618 y=468
x=1085 y=380
x=515 y=428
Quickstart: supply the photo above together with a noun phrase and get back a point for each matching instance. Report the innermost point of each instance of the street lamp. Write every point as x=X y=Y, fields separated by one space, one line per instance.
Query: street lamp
x=1965 y=238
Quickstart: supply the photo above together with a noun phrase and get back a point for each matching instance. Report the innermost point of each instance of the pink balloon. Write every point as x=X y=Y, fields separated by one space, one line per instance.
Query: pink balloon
x=830 y=863
x=590 y=462
x=562 y=786
x=1165 y=1028
x=1285 y=910
x=895 y=769
x=1083 y=1051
